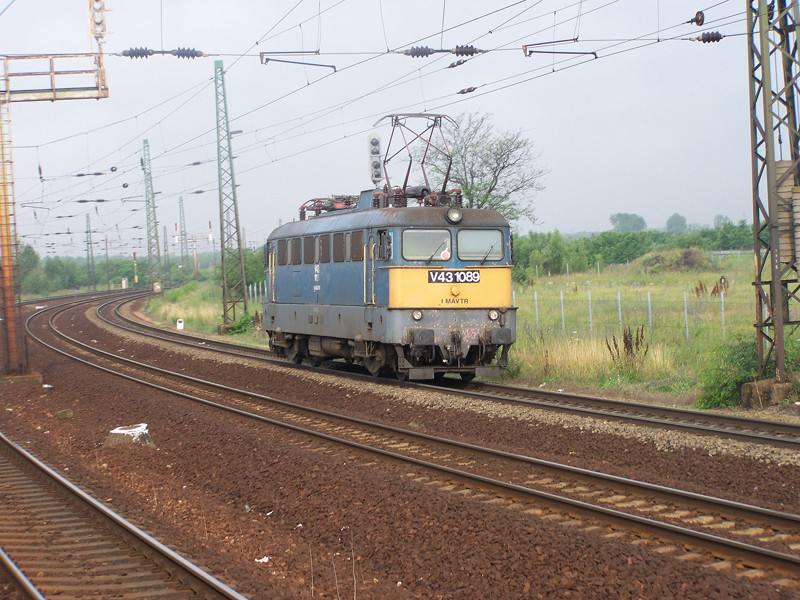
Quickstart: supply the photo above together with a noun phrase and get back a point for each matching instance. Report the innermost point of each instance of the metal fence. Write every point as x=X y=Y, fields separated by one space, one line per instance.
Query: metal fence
x=678 y=318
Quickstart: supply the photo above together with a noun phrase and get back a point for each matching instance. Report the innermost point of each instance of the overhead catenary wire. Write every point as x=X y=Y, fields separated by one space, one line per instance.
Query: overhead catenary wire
x=418 y=74
x=625 y=40
x=7 y=7
x=317 y=130
x=206 y=84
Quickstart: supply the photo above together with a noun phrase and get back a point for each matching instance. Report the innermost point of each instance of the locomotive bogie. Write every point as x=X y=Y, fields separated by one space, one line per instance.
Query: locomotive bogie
x=440 y=342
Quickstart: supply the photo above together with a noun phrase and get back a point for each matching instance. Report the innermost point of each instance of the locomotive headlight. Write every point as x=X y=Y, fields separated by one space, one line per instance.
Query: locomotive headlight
x=454 y=214
x=416 y=315
x=494 y=315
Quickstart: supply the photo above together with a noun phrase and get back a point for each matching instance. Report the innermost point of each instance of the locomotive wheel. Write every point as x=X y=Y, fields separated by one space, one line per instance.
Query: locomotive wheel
x=467 y=377
x=373 y=365
x=295 y=352
x=376 y=362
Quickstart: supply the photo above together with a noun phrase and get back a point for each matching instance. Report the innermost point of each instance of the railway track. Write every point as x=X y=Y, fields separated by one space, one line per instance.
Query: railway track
x=750 y=430
x=58 y=541
x=710 y=530
x=700 y=422
x=14 y=585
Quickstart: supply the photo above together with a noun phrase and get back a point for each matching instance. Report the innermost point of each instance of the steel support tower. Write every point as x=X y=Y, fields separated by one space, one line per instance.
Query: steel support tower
x=233 y=282
x=13 y=350
x=166 y=254
x=774 y=70
x=29 y=78
x=91 y=280
x=184 y=242
x=153 y=251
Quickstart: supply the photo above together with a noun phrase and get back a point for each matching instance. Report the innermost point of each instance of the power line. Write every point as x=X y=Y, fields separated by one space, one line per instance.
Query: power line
x=7 y=7
x=340 y=105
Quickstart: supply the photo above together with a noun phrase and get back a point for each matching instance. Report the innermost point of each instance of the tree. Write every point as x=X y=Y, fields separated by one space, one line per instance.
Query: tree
x=494 y=170
x=556 y=254
x=720 y=220
x=626 y=222
x=28 y=260
x=733 y=237
x=676 y=224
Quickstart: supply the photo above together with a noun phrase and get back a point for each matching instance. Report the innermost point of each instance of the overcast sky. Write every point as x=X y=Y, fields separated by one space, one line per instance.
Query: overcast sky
x=655 y=125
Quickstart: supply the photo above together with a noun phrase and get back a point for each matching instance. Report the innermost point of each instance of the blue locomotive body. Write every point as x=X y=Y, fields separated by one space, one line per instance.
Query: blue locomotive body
x=419 y=291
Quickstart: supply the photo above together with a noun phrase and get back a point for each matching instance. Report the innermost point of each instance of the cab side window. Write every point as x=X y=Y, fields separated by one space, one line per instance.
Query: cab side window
x=296 y=254
x=357 y=246
x=325 y=248
x=282 y=258
x=308 y=250
x=384 y=244
x=338 y=247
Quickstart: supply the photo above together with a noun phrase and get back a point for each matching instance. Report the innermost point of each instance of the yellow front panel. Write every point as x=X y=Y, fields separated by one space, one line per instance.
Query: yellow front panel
x=412 y=287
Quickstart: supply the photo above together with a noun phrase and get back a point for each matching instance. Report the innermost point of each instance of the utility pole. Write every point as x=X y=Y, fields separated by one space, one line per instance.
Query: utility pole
x=108 y=273
x=166 y=253
x=91 y=281
x=233 y=281
x=51 y=77
x=194 y=252
x=153 y=252
x=773 y=69
x=184 y=242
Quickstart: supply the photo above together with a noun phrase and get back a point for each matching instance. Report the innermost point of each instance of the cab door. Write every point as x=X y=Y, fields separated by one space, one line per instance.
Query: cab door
x=272 y=258
x=369 y=282
x=369 y=271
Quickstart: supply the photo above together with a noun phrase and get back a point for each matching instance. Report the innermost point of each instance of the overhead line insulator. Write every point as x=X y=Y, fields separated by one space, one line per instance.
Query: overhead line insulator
x=468 y=90
x=147 y=52
x=708 y=37
x=465 y=51
x=138 y=52
x=423 y=51
x=699 y=19
x=186 y=53
x=458 y=63
x=419 y=51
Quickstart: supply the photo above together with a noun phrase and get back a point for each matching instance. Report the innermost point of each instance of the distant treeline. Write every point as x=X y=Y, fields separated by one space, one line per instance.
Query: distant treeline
x=50 y=275
x=555 y=253
x=535 y=252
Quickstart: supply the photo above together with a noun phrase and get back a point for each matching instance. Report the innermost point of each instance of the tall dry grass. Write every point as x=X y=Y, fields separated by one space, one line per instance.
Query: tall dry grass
x=199 y=305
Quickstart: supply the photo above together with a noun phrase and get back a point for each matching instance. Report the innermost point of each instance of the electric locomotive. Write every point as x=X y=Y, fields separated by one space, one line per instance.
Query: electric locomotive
x=415 y=291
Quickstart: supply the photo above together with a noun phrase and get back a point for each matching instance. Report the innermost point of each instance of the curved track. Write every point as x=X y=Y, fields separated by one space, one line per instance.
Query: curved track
x=710 y=527
x=699 y=422
x=757 y=431
x=87 y=549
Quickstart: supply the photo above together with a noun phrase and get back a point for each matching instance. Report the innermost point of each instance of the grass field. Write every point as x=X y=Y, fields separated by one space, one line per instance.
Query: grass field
x=585 y=346
x=670 y=339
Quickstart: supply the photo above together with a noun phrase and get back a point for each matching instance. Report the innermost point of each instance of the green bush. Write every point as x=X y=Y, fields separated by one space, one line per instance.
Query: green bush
x=686 y=259
x=514 y=368
x=179 y=293
x=728 y=366
x=793 y=362
x=243 y=325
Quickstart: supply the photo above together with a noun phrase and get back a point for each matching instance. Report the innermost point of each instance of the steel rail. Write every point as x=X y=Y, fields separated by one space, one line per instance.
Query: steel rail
x=195 y=577
x=759 y=431
x=79 y=295
x=785 y=560
x=663 y=416
x=18 y=578
x=186 y=339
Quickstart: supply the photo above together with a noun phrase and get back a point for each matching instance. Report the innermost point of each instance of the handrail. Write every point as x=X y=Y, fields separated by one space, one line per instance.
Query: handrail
x=365 y=273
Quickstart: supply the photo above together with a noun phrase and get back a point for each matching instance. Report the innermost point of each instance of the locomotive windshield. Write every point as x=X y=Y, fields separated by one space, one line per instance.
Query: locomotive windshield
x=480 y=244
x=426 y=244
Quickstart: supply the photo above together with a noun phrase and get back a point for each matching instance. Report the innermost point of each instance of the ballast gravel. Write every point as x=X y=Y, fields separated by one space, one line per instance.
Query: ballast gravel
x=276 y=515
